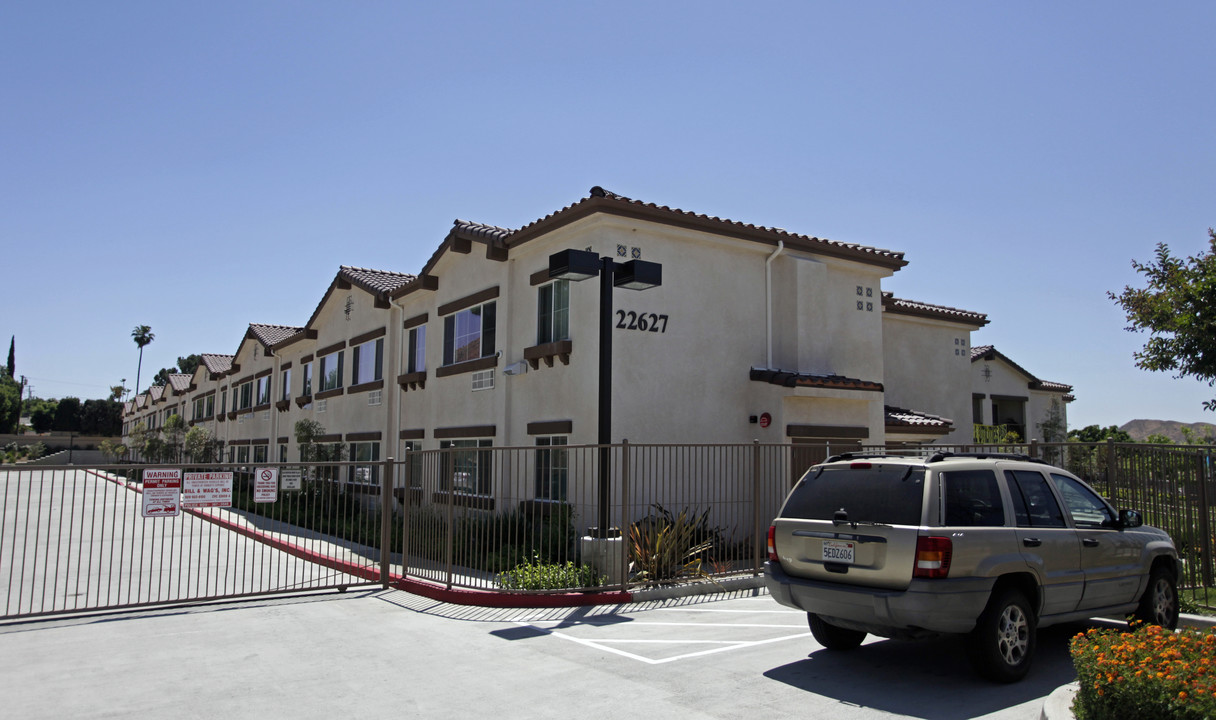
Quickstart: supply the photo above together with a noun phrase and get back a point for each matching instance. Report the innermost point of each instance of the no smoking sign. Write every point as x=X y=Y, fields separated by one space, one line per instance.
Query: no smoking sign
x=266 y=485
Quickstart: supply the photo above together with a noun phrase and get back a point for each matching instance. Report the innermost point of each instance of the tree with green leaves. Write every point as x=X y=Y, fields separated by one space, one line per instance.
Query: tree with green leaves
x=12 y=357
x=10 y=404
x=1178 y=309
x=1095 y=434
x=118 y=391
x=67 y=415
x=161 y=377
x=142 y=335
x=199 y=446
x=174 y=430
x=187 y=365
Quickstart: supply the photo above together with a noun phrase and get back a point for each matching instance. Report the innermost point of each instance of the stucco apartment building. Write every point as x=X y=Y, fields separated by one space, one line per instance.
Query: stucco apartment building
x=754 y=333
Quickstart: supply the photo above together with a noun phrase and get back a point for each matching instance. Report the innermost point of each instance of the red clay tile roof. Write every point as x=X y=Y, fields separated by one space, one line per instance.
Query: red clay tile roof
x=899 y=306
x=795 y=379
x=375 y=282
x=378 y=283
x=900 y=417
x=180 y=382
x=481 y=231
x=988 y=352
x=601 y=200
x=268 y=335
x=217 y=364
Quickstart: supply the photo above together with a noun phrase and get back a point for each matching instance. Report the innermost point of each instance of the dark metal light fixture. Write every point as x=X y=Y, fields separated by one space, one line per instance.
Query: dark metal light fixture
x=574 y=265
x=638 y=275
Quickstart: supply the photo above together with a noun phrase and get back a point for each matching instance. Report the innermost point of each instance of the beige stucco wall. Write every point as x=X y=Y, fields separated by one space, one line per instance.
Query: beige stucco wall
x=928 y=369
x=1004 y=380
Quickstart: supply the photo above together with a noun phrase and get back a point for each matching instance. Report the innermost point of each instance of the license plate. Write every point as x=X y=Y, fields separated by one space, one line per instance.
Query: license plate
x=838 y=552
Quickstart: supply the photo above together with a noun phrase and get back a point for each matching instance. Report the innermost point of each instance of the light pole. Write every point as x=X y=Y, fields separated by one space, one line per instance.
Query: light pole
x=578 y=265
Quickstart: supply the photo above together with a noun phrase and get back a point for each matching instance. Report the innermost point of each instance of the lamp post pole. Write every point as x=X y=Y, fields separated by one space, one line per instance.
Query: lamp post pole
x=603 y=520
x=578 y=265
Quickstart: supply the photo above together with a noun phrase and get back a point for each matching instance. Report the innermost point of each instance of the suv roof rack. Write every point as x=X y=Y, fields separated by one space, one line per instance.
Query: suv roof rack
x=856 y=456
x=938 y=457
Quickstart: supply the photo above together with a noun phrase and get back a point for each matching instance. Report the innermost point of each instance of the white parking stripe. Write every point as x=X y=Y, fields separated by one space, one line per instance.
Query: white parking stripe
x=605 y=645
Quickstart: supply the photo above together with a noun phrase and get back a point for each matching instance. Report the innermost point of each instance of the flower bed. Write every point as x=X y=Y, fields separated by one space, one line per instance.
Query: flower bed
x=1150 y=672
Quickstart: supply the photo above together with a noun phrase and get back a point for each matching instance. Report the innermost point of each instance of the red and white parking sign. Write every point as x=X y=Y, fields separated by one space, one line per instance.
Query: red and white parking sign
x=162 y=492
x=266 y=485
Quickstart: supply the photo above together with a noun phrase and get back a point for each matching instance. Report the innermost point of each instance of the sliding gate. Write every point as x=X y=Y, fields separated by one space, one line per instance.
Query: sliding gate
x=75 y=539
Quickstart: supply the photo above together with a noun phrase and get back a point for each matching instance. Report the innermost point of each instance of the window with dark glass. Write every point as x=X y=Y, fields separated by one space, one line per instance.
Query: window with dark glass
x=469 y=334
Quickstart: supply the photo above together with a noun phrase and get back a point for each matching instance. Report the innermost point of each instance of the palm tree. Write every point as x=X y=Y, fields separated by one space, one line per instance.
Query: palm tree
x=142 y=335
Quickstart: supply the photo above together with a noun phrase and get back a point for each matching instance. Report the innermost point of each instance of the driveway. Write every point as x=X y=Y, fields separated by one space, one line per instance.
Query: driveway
x=391 y=654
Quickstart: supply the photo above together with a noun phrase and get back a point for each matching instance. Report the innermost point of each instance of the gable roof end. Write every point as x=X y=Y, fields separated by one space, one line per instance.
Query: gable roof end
x=988 y=352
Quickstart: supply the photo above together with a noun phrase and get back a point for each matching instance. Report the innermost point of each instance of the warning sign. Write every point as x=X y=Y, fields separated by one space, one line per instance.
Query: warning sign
x=207 y=489
x=266 y=485
x=290 y=478
x=162 y=492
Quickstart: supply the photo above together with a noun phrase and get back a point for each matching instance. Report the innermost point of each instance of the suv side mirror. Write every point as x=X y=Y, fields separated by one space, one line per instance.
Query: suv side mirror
x=1129 y=519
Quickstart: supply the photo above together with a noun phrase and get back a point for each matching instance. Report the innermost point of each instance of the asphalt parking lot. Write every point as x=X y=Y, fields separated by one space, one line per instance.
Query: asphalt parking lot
x=376 y=653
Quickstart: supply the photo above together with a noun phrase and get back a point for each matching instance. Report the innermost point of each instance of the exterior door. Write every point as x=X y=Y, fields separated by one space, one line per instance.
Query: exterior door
x=1109 y=557
x=1049 y=546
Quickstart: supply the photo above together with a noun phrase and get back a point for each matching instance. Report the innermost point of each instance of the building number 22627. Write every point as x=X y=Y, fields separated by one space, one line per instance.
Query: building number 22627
x=646 y=322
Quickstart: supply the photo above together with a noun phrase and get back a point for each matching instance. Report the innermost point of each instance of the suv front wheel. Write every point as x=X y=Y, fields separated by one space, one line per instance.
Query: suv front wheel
x=832 y=637
x=1159 y=604
x=1003 y=641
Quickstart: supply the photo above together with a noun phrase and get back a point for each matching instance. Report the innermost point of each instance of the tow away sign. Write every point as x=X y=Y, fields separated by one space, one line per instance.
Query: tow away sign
x=162 y=492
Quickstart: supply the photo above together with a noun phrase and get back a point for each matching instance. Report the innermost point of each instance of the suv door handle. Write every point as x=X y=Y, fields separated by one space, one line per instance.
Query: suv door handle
x=1031 y=542
x=1089 y=542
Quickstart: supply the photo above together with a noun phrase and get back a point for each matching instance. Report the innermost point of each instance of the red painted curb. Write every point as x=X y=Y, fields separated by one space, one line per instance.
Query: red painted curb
x=488 y=598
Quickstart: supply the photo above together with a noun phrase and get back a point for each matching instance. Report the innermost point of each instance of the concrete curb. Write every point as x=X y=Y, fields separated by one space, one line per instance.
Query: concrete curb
x=701 y=588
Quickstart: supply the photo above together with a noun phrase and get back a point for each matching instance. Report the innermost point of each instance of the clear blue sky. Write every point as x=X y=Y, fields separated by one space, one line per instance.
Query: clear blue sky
x=199 y=166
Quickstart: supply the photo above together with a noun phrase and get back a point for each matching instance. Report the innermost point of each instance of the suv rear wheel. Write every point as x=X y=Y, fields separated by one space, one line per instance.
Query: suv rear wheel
x=832 y=637
x=1159 y=604
x=1003 y=641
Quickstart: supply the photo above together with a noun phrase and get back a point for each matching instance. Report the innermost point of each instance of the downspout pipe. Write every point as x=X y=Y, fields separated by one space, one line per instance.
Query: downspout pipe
x=768 y=299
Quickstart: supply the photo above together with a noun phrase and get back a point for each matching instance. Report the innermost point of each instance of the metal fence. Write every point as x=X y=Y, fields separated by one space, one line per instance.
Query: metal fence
x=75 y=539
x=472 y=517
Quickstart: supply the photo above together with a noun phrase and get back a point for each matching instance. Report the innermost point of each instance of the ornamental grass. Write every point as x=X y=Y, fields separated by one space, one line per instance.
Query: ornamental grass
x=1149 y=672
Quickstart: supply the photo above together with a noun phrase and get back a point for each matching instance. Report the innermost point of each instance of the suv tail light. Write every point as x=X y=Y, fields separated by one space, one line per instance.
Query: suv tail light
x=772 y=544
x=932 y=557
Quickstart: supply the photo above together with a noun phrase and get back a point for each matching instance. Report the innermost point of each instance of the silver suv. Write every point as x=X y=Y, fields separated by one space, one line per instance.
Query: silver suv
x=993 y=546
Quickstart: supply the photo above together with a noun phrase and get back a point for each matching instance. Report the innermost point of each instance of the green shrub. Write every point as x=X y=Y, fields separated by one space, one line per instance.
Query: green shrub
x=537 y=575
x=1149 y=673
x=665 y=547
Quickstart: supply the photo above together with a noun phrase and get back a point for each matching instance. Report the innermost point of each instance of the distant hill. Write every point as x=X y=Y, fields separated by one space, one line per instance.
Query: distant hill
x=1140 y=429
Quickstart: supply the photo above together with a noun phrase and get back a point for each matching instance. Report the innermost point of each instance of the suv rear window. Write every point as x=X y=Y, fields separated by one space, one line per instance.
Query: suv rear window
x=888 y=494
